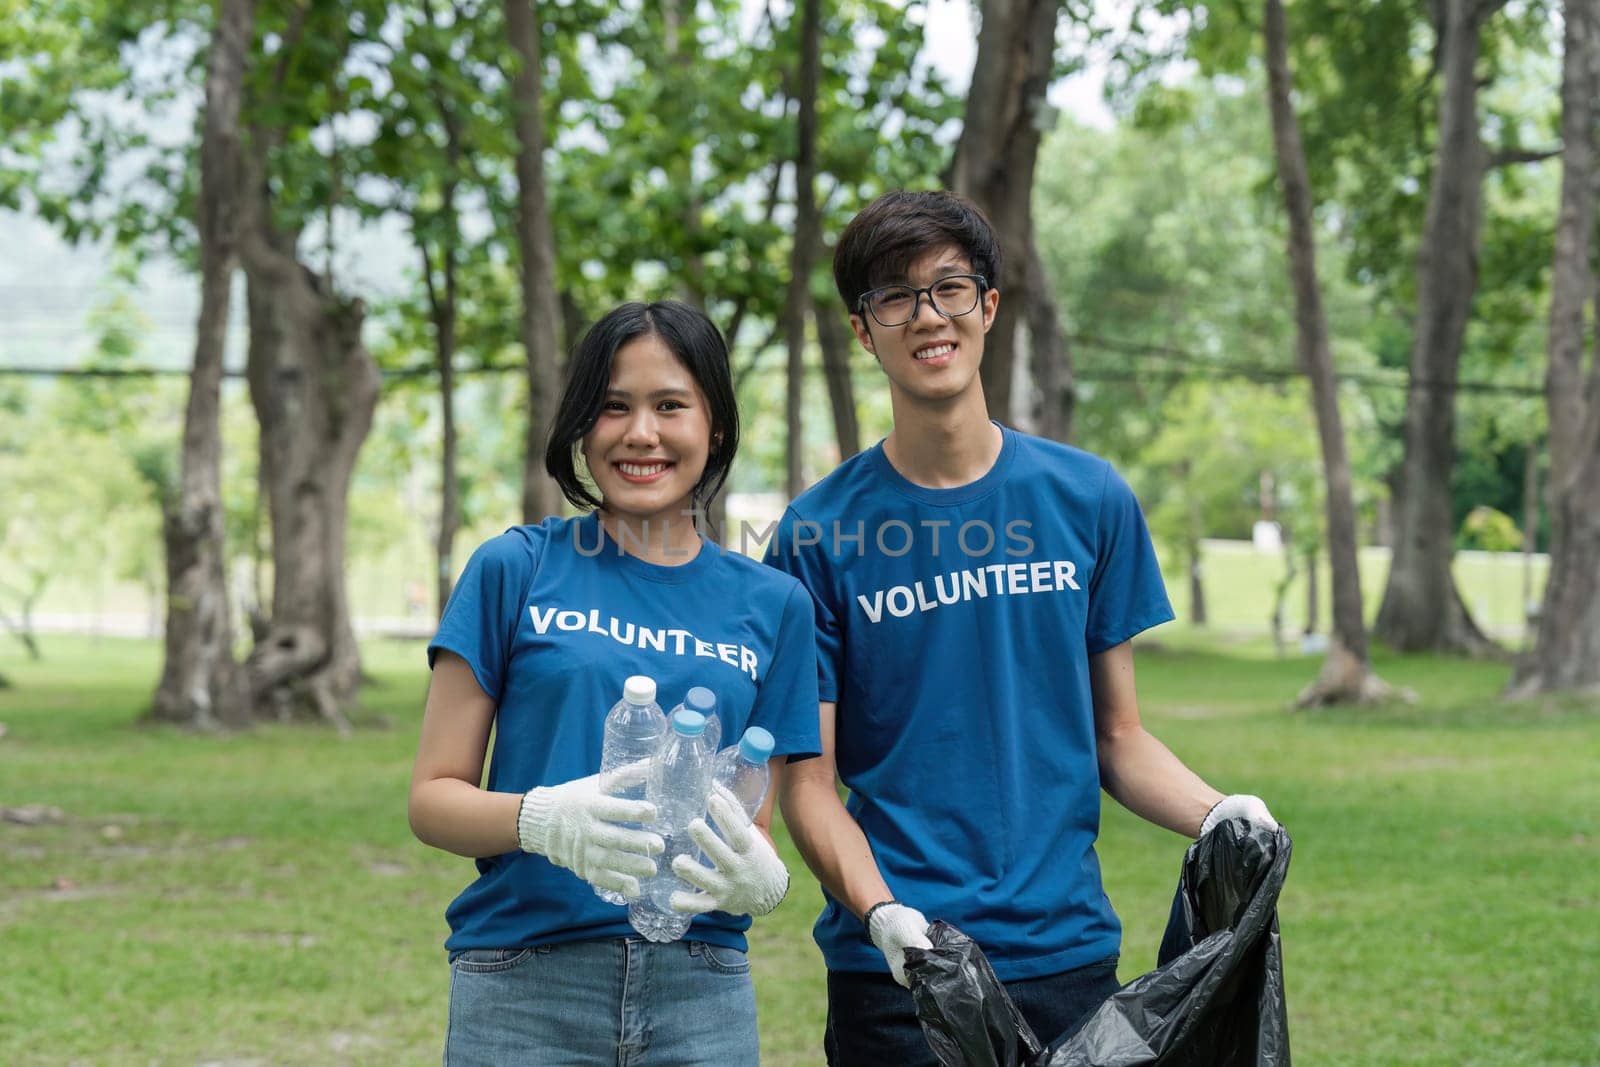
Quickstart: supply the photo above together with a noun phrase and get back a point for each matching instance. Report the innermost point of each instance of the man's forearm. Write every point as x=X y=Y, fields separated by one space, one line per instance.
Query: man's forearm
x=832 y=844
x=1145 y=777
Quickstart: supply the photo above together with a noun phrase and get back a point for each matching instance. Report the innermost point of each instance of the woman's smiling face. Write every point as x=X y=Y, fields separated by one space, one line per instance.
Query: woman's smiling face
x=648 y=446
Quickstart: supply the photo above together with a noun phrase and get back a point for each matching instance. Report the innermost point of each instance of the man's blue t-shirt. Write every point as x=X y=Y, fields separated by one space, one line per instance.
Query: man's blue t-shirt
x=551 y=619
x=954 y=629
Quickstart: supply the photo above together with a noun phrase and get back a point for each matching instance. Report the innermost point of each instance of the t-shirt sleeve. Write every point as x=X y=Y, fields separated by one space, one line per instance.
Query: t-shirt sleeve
x=799 y=556
x=481 y=616
x=1126 y=594
x=786 y=701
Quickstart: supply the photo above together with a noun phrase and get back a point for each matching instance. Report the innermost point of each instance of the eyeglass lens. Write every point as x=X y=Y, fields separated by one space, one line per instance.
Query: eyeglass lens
x=896 y=305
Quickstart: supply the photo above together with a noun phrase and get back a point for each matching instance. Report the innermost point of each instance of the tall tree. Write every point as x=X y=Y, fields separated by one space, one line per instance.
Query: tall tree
x=1048 y=354
x=541 y=307
x=313 y=383
x=1422 y=608
x=440 y=128
x=807 y=235
x=1346 y=672
x=836 y=343
x=201 y=684
x=443 y=307
x=1567 y=652
x=994 y=160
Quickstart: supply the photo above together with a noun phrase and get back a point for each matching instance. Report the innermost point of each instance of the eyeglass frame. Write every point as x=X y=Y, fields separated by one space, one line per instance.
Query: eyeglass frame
x=916 y=300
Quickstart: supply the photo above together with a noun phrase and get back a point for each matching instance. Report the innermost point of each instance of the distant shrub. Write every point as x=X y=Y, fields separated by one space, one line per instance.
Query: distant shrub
x=1489 y=530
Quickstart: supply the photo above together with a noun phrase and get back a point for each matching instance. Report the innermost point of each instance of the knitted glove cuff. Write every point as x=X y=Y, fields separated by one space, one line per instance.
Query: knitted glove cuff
x=866 y=920
x=533 y=820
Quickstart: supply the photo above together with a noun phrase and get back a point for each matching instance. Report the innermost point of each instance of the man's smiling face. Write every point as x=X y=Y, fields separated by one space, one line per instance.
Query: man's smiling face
x=934 y=358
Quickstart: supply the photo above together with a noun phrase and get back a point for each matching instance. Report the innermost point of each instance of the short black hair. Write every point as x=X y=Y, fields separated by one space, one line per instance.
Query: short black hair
x=887 y=236
x=699 y=346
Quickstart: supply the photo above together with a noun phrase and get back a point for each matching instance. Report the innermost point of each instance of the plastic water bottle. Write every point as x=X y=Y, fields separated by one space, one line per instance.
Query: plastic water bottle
x=635 y=728
x=740 y=776
x=741 y=771
x=679 y=781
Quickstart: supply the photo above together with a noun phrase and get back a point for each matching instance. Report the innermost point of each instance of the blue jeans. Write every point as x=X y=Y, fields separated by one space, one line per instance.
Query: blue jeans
x=872 y=1021
x=617 y=1003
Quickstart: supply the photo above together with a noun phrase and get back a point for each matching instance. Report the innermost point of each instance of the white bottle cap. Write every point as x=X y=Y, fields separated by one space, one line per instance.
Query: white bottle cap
x=639 y=689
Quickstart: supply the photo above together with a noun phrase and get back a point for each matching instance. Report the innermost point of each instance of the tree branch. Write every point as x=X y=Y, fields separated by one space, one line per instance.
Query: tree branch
x=1484 y=10
x=1508 y=157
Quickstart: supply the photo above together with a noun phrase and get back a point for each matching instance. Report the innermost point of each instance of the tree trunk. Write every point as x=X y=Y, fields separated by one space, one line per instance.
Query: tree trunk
x=1280 y=595
x=837 y=343
x=1566 y=655
x=1346 y=674
x=1195 y=530
x=1313 y=607
x=314 y=387
x=201 y=684
x=442 y=309
x=1052 y=360
x=541 y=309
x=22 y=626
x=994 y=160
x=1530 y=535
x=1197 y=585
x=806 y=239
x=1422 y=609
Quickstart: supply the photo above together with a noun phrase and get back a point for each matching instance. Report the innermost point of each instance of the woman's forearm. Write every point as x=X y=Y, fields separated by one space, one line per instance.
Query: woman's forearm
x=459 y=817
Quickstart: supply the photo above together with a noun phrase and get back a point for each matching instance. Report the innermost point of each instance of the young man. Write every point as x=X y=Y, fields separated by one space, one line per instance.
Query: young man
x=976 y=589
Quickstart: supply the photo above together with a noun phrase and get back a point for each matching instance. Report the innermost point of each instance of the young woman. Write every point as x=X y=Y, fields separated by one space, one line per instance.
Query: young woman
x=544 y=626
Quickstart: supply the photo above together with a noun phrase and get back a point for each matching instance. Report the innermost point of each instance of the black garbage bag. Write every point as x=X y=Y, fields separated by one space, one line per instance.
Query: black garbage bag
x=966 y=1014
x=1215 y=997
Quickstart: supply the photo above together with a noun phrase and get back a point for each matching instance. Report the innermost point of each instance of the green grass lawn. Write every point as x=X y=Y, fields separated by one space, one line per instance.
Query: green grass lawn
x=259 y=898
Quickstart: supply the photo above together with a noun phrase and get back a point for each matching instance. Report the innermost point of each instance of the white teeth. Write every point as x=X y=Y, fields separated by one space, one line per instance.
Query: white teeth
x=641 y=470
x=937 y=350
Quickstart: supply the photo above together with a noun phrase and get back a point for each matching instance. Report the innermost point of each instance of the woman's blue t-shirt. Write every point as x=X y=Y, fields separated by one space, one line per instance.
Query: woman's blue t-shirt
x=551 y=619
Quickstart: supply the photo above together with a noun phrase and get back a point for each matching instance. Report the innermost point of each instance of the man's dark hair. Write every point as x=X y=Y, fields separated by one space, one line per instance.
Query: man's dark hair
x=699 y=346
x=887 y=236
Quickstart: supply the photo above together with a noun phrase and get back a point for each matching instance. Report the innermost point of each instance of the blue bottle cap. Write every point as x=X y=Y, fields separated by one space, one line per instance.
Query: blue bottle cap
x=756 y=745
x=700 y=699
x=688 y=723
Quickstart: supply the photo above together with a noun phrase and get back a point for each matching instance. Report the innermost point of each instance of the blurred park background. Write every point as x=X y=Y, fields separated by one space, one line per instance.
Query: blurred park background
x=286 y=290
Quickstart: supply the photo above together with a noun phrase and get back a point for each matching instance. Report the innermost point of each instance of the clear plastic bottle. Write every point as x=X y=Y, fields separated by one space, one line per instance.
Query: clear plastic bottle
x=635 y=727
x=741 y=771
x=679 y=781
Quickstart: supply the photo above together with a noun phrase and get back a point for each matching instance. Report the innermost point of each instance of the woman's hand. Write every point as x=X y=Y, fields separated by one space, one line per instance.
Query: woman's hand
x=748 y=877
x=574 y=825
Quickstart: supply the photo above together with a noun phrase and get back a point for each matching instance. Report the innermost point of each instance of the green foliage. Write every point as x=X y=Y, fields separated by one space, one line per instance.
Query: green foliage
x=93 y=515
x=1490 y=531
x=1216 y=446
x=1168 y=258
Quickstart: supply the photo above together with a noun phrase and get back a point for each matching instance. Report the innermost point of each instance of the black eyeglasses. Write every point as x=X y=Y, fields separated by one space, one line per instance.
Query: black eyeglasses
x=950 y=296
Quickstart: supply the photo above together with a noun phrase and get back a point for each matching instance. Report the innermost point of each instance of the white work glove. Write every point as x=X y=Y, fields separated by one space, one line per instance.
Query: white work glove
x=748 y=877
x=894 y=928
x=574 y=825
x=1239 y=806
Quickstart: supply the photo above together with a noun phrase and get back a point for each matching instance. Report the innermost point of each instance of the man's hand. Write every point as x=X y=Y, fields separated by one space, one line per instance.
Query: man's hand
x=747 y=878
x=894 y=928
x=1239 y=806
x=573 y=825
